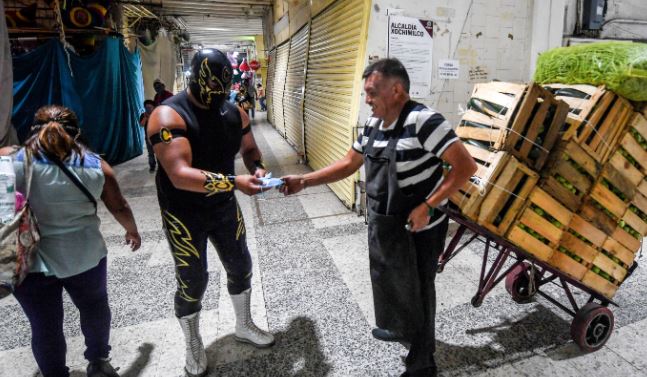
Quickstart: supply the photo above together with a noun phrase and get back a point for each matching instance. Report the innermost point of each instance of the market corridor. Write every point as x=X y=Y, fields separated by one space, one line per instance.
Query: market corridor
x=312 y=289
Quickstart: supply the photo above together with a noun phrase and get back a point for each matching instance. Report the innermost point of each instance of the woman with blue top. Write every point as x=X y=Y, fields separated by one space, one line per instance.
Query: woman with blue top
x=71 y=253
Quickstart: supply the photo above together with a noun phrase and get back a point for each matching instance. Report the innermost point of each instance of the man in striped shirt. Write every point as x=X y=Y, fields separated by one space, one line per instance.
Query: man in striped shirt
x=403 y=148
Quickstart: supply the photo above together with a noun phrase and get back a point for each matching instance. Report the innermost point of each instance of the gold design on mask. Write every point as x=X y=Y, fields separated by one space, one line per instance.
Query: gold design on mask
x=206 y=92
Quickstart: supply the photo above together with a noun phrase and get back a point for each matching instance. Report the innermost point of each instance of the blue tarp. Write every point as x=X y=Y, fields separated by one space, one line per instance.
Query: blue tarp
x=105 y=91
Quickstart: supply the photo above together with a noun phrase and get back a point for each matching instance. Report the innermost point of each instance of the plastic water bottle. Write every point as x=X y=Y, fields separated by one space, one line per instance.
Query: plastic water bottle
x=7 y=189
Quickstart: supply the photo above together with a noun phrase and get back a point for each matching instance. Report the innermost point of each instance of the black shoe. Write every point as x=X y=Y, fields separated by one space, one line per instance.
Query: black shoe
x=101 y=368
x=427 y=372
x=387 y=335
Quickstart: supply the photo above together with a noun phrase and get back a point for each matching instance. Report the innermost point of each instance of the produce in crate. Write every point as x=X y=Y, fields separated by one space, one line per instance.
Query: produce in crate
x=569 y=174
x=621 y=66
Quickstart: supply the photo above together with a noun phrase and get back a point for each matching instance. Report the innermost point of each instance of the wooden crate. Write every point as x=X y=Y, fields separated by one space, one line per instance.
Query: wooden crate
x=639 y=124
x=599 y=284
x=614 y=269
x=642 y=187
x=608 y=223
x=581 y=100
x=582 y=241
x=633 y=144
x=615 y=248
x=636 y=215
x=536 y=127
x=471 y=195
x=613 y=190
x=501 y=94
x=483 y=128
x=570 y=165
x=506 y=193
x=491 y=109
x=567 y=264
x=600 y=131
x=549 y=224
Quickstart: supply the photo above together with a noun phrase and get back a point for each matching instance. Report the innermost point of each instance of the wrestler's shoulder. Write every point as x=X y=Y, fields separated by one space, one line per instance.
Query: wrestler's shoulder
x=167 y=117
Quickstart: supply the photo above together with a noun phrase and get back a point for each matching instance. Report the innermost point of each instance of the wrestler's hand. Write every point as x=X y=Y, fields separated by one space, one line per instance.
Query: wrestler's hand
x=134 y=240
x=293 y=184
x=248 y=184
x=419 y=218
x=260 y=173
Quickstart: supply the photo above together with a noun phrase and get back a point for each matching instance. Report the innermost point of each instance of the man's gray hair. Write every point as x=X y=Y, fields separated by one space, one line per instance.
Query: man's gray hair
x=389 y=67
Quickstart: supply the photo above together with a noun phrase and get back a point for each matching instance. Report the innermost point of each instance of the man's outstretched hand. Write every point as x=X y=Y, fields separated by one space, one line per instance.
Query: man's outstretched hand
x=293 y=184
x=248 y=184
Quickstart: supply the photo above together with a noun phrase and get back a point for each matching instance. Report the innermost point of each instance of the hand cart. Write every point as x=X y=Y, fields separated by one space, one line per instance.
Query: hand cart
x=592 y=323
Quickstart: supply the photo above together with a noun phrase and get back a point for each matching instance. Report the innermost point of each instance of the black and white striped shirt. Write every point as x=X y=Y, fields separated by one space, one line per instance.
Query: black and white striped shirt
x=426 y=136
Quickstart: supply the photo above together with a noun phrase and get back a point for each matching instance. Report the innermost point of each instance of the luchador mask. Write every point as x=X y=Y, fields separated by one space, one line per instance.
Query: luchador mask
x=211 y=76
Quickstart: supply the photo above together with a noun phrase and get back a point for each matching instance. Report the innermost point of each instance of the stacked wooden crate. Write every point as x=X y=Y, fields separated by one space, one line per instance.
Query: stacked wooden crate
x=561 y=175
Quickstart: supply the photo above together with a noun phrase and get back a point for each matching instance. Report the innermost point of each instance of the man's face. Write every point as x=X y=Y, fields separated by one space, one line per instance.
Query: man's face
x=159 y=87
x=380 y=93
x=149 y=108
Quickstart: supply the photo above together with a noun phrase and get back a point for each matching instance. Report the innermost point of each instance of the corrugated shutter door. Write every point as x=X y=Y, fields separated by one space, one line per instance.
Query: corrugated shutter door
x=333 y=84
x=294 y=82
x=282 y=54
x=269 y=85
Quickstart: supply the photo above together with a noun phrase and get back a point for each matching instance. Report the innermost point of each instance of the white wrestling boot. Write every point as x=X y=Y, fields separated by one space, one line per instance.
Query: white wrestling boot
x=246 y=330
x=196 y=357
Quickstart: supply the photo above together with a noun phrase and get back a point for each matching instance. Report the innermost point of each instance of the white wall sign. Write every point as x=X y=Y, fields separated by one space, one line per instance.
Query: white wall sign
x=411 y=41
x=448 y=69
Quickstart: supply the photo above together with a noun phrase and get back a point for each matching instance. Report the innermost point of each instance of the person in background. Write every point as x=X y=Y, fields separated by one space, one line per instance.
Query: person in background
x=251 y=91
x=71 y=255
x=161 y=94
x=402 y=148
x=233 y=95
x=245 y=100
x=149 y=105
x=260 y=91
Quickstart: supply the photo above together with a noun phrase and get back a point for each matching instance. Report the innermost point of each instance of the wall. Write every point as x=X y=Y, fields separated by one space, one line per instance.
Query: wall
x=624 y=19
x=547 y=28
x=290 y=15
x=490 y=38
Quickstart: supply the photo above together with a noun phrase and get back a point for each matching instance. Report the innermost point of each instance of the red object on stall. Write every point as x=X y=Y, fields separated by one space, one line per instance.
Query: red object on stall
x=254 y=65
x=244 y=66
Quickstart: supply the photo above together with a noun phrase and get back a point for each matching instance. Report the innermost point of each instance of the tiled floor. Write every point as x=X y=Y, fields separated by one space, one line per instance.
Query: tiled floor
x=312 y=289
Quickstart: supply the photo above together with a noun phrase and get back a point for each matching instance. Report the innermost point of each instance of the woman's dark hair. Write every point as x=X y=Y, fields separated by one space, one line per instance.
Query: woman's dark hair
x=55 y=133
x=389 y=67
x=149 y=102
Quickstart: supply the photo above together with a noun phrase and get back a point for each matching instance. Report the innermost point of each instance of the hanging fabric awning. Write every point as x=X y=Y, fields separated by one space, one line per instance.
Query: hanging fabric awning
x=104 y=89
x=159 y=61
x=7 y=133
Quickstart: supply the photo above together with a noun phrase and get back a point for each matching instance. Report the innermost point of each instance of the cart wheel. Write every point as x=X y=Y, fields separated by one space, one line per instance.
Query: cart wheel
x=592 y=326
x=476 y=301
x=517 y=283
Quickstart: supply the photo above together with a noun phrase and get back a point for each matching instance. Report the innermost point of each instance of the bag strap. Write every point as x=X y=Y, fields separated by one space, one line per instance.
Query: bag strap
x=28 y=171
x=73 y=177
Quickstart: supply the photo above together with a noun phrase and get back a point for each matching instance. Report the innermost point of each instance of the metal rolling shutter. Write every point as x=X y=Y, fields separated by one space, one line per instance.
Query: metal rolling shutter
x=294 y=85
x=269 y=84
x=282 y=53
x=333 y=84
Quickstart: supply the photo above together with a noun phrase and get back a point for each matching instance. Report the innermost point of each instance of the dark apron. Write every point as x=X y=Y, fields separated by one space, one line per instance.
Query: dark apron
x=392 y=254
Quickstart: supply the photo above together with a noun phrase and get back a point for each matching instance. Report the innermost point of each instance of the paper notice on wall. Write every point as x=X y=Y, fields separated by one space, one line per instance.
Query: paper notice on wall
x=448 y=69
x=411 y=41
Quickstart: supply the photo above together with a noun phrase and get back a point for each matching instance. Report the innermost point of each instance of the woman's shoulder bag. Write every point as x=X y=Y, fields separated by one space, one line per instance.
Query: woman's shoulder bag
x=18 y=239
